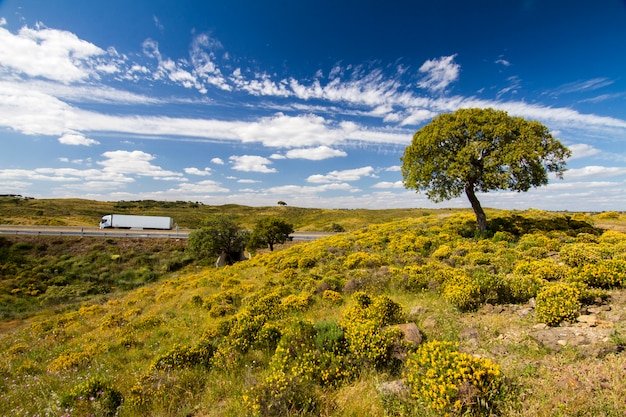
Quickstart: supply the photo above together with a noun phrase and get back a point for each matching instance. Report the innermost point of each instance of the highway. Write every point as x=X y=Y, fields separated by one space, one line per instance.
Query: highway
x=96 y=232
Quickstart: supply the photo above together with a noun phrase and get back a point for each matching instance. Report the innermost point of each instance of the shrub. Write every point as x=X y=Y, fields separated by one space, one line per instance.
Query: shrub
x=362 y=260
x=94 y=397
x=557 y=302
x=605 y=274
x=332 y=296
x=545 y=269
x=461 y=291
x=181 y=357
x=381 y=310
x=280 y=395
x=579 y=254
x=521 y=288
x=364 y=323
x=446 y=380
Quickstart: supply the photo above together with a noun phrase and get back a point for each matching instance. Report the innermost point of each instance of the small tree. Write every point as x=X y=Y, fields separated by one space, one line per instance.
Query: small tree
x=270 y=231
x=480 y=150
x=218 y=235
x=281 y=203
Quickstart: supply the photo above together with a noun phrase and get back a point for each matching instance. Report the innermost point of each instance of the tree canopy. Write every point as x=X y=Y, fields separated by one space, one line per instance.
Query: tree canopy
x=480 y=150
x=269 y=231
x=218 y=235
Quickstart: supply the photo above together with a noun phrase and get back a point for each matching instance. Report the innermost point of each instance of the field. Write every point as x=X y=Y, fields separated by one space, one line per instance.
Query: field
x=527 y=321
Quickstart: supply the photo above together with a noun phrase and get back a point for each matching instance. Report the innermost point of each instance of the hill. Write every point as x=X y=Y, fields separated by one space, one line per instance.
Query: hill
x=189 y=215
x=322 y=328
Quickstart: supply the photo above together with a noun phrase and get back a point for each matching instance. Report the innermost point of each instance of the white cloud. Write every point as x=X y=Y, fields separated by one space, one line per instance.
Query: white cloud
x=49 y=53
x=503 y=62
x=315 y=154
x=136 y=163
x=217 y=161
x=589 y=172
x=202 y=187
x=389 y=185
x=440 y=73
x=342 y=176
x=77 y=139
x=581 y=150
x=196 y=171
x=394 y=168
x=251 y=163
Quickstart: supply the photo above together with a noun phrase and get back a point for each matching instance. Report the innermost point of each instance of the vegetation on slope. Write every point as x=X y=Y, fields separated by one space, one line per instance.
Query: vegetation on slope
x=310 y=330
x=190 y=215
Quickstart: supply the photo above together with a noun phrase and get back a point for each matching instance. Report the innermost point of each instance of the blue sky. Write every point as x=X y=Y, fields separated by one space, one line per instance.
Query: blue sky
x=308 y=102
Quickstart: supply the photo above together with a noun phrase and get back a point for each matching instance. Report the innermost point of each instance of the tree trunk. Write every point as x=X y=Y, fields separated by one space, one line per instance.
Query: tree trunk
x=481 y=218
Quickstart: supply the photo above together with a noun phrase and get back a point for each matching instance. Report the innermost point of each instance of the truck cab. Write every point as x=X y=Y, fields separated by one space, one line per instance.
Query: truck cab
x=106 y=221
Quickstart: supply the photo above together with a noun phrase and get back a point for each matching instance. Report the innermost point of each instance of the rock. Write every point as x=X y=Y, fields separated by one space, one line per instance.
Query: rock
x=487 y=308
x=393 y=388
x=525 y=311
x=469 y=334
x=429 y=322
x=589 y=319
x=411 y=333
x=416 y=312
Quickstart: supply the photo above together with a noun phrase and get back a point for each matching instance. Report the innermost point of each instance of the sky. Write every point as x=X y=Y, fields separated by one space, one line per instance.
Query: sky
x=307 y=102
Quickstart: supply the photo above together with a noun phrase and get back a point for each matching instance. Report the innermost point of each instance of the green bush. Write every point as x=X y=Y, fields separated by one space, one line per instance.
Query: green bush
x=557 y=302
x=181 y=357
x=448 y=381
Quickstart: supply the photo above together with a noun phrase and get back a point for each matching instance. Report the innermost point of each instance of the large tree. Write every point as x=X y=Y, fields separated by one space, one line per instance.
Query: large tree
x=218 y=235
x=480 y=150
x=269 y=231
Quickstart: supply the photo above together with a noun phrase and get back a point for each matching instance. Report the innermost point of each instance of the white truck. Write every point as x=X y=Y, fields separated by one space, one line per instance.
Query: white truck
x=126 y=221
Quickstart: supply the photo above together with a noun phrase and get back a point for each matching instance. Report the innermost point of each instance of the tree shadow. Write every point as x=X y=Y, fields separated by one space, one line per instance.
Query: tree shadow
x=519 y=225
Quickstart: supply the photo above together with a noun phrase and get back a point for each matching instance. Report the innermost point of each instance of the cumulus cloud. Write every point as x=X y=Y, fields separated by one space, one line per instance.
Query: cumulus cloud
x=77 y=139
x=48 y=53
x=594 y=172
x=200 y=172
x=217 y=161
x=136 y=163
x=582 y=150
x=315 y=154
x=389 y=185
x=439 y=73
x=342 y=176
x=251 y=163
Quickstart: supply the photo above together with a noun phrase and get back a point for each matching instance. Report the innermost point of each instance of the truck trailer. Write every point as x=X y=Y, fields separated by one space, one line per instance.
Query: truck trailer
x=126 y=221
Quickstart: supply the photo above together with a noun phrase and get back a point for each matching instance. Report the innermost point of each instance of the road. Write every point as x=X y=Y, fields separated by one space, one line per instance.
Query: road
x=96 y=232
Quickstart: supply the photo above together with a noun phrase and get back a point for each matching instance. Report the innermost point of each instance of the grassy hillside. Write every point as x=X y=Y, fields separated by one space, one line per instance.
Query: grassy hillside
x=76 y=212
x=310 y=330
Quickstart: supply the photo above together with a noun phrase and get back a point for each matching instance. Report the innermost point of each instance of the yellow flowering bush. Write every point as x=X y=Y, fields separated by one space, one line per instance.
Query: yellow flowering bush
x=557 y=302
x=332 y=296
x=610 y=273
x=362 y=260
x=180 y=357
x=280 y=395
x=579 y=254
x=446 y=380
x=75 y=360
x=521 y=288
x=461 y=291
x=545 y=269
x=300 y=302
x=93 y=397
